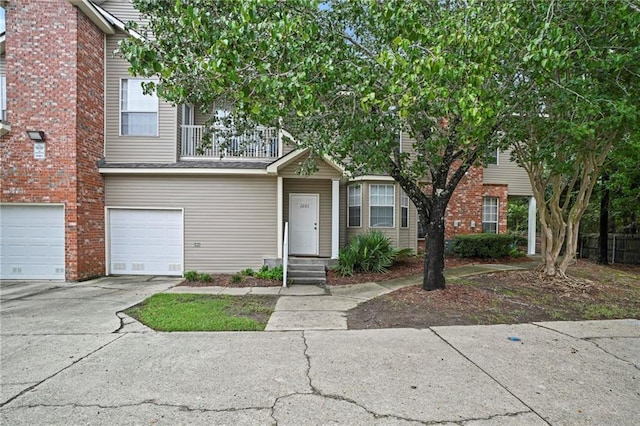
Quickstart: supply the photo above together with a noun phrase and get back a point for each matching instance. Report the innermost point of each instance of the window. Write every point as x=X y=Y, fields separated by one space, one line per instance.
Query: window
x=381 y=204
x=491 y=157
x=404 y=211
x=138 y=112
x=490 y=215
x=3 y=98
x=354 y=203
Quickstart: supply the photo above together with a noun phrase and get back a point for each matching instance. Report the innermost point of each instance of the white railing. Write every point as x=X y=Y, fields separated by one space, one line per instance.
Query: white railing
x=262 y=142
x=285 y=254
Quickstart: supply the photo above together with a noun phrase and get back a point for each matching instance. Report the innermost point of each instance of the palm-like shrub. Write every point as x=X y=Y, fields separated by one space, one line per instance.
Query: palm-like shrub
x=370 y=252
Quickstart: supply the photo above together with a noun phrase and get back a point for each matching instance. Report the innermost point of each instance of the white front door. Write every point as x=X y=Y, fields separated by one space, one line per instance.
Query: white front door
x=303 y=224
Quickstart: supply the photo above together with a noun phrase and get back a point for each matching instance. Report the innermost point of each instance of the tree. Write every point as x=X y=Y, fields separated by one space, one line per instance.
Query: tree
x=345 y=77
x=583 y=71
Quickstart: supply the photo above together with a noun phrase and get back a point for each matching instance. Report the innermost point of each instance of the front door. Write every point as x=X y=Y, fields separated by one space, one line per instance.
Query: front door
x=303 y=224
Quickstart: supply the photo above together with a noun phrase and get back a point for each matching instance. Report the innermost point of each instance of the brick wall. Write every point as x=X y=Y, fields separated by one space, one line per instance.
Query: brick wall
x=465 y=206
x=54 y=61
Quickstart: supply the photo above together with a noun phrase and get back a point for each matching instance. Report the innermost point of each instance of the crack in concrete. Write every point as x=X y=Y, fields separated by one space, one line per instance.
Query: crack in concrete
x=590 y=340
x=488 y=375
x=59 y=371
x=138 y=404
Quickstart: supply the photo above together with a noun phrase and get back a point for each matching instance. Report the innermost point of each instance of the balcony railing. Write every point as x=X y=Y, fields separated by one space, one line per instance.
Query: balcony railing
x=261 y=143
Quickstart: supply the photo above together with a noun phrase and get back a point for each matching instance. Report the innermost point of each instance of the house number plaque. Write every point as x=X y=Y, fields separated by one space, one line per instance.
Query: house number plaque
x=304 y=206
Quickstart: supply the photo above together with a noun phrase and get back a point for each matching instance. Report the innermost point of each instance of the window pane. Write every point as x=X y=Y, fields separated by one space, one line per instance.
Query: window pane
x=134 y=100
x=381 y=217
x=354 y=216
x=381 y=205
x=490 y=215
x=139 y=123
x=354 y=202
x=404 y=212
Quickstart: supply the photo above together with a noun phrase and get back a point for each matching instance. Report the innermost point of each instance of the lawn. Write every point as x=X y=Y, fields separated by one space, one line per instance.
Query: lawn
x=198 y=312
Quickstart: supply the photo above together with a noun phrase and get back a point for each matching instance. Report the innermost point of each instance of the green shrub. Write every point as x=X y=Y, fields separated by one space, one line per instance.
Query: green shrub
x=248 y=272
x=270 y=274
x=494 y=246
x=204 y=277
x=237 y=278
x=370 y=252
x=191 y=275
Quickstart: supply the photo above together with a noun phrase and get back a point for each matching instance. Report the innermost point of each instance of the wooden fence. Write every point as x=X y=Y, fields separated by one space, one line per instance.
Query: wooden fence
x=622 y=248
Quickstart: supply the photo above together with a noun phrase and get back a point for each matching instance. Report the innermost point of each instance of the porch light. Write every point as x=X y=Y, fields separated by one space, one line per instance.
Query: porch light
x=36 y=135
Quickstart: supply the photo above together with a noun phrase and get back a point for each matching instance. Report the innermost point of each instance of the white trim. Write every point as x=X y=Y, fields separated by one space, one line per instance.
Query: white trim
x=402 y=196
x=280 y=214
x=95 y=15
x=335 y=218
x=349 y=205
x=157 y=135
x=285 y=160
x=531 y=228
x=107 y=226
x=372 y=177
x=174 y=171
x=393 y=206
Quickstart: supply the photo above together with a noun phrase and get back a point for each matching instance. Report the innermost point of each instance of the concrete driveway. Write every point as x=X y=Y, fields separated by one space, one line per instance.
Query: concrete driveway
x=66 y=358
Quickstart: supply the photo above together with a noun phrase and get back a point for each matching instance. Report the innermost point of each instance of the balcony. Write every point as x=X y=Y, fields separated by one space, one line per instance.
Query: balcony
x=260 y=144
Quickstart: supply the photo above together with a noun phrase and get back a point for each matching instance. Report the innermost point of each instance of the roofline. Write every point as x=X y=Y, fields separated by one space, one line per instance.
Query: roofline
x=287 y=159
x=91 y=11
x=173 y=171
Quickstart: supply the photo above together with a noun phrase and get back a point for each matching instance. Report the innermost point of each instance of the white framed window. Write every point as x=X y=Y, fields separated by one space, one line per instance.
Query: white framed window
x=381 y=206
x=490 y=215
x=354 y=206
x=3 y=98
x=492 y=157
x=404 y=210
x=138 y=112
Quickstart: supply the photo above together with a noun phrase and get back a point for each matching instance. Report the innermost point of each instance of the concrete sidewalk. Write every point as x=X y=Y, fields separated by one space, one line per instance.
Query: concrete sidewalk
x=307 y=307
x=66 y=358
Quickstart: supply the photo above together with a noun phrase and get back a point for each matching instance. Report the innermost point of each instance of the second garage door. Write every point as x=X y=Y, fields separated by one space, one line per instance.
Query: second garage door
x=145 y=242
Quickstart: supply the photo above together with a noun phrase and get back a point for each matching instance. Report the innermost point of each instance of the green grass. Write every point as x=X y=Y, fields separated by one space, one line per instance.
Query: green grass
x=199 y=312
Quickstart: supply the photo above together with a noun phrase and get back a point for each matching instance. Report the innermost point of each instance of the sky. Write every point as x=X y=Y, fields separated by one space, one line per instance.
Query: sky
x=1 y=20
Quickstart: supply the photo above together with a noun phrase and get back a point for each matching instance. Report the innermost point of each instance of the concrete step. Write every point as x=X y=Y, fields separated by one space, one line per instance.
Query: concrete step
x=308 y=261
x=296 y=273
x=307 y=280
x=314 y=268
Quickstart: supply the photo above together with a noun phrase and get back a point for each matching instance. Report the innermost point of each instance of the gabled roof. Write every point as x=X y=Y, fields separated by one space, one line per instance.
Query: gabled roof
x=285 y=160
x=103 y=19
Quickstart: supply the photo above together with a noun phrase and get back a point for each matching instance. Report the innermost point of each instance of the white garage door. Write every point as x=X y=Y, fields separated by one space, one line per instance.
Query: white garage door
x=145 y=242
x=32 y=242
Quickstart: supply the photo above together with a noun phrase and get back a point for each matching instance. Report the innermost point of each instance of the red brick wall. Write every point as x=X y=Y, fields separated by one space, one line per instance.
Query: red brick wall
x=465 y=205
x=54 y=62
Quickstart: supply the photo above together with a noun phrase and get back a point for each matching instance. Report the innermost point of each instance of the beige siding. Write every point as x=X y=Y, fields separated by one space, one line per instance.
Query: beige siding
x=142 y=149
x=3 y=65
x=508 y=172
x=407 y=144
x=122 y=9
x=325 y=171
x=313 y=186
x=232 y=218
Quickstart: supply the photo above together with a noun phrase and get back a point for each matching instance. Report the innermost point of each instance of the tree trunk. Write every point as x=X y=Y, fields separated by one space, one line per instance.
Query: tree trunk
x=433 y=278
x=603 y=258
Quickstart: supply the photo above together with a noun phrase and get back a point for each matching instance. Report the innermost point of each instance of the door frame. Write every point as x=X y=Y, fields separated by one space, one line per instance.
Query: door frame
x=317 y=218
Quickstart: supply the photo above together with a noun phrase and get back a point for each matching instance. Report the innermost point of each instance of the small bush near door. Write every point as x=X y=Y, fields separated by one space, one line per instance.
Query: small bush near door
x=370 y=252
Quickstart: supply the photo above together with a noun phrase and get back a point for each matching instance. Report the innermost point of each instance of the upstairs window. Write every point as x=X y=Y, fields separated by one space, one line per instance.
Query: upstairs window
x=490 y=215
x=3 y=98
x=491 y=158
x=138 y=112
x=404 y=210
x=381 y=206
x=354 y=206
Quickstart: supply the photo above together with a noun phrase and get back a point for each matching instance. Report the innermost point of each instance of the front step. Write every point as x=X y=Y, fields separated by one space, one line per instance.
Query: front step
x=306 y=271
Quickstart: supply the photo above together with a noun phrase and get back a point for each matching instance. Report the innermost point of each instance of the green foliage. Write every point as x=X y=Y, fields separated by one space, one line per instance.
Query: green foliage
x=267 y=273
x=237 y=278
x=248 y=272
x=194 y=312
x=196 y=276
x=191 y=275
x=494 y=246
x=370 y=252
x=517 y=214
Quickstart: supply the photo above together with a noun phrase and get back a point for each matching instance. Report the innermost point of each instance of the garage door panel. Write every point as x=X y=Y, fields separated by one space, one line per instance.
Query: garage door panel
x=32 y=242
x=146 y=242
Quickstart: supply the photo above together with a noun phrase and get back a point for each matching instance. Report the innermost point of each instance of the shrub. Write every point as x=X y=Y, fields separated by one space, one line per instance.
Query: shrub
x=191 y=275
x=492 y=246
x=237 y=278
x=370 y=252
x=204 y=277
x=248 y=272
x=270 y=274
